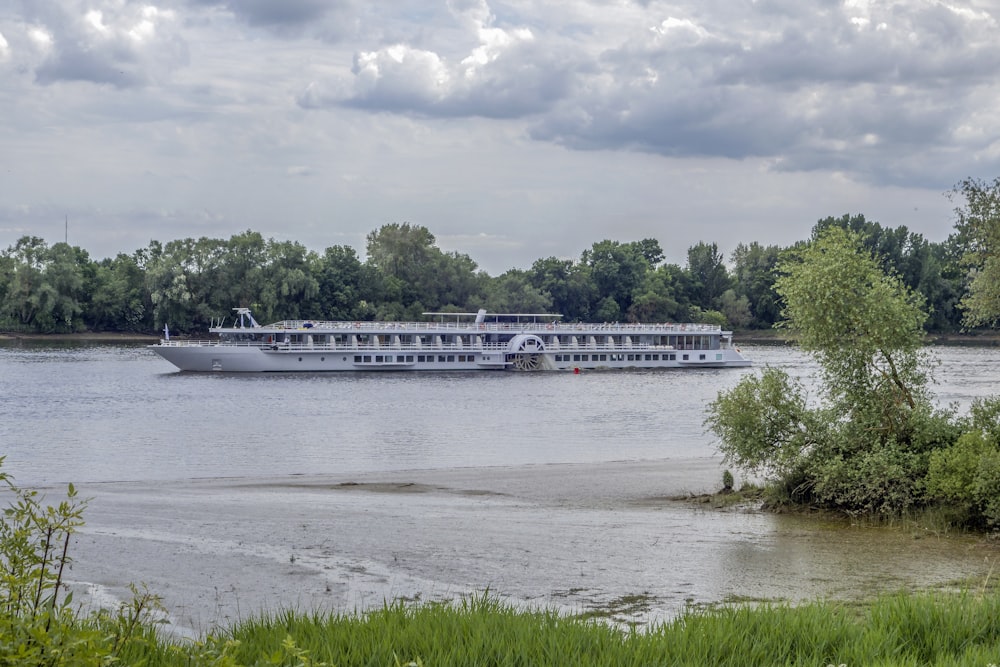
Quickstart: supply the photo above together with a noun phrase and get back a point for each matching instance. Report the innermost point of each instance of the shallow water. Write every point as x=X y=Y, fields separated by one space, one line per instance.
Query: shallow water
x=234 y=494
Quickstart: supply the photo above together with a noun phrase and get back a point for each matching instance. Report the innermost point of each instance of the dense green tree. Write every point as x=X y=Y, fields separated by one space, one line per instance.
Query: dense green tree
x=118 y=297
x=656 y=298
x=917 y=262
x=291 y=286
x=753 y=279
x=513 y=292
x=418 y=275
x=616 y=270
x=173 y=286
x=978 y=226
x=736 y=309
x=45 y=286
x=709 y=276
x=862 y=325
x=26 y=263
x=455 y=282
x=243 y=270
x=340 y=284
x=650 y=250
x=567 y=284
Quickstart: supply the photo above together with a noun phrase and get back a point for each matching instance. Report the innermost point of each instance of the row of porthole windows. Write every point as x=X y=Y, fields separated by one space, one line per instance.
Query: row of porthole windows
x=463 y=358
x=619 y=357
x=408 y=358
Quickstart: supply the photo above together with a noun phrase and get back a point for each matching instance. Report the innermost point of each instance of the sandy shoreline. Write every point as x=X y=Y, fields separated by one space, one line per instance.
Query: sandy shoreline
x=579 y=537
x=221 y=549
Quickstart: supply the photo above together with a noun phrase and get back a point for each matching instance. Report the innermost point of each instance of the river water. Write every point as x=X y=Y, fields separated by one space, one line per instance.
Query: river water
x=230 y=495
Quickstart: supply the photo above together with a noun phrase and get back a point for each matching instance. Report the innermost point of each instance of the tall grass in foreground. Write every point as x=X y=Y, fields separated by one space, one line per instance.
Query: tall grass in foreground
x=905 y=629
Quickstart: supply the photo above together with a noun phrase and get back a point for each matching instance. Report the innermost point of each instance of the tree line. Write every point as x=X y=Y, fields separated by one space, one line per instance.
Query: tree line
x=189 y=282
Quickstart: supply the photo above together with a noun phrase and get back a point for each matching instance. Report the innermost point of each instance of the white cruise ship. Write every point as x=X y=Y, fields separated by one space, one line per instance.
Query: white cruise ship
x=450 y=342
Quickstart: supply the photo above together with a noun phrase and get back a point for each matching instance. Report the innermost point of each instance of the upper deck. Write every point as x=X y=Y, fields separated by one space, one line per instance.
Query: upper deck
x=319 y=326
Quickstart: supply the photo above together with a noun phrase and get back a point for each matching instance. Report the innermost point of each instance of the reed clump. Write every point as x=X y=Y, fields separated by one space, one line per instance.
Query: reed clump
x=901 y=629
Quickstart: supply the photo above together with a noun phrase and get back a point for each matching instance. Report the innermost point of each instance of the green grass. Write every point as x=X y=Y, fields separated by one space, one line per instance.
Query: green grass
x=904 y=629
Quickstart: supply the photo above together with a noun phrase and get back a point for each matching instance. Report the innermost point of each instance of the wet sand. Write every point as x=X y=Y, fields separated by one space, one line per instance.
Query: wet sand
x=609 y=538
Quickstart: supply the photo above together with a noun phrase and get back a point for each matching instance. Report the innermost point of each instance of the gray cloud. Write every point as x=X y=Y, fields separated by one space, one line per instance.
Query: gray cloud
x=470 y=116
x=327 y=19
x=872 y=95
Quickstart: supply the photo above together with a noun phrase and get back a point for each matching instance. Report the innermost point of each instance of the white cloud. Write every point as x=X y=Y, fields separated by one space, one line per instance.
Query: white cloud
x=506 y=74
x=124 y=44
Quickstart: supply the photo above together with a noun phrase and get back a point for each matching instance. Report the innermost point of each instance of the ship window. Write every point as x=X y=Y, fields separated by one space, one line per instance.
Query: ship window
x=409 y=358
x=357 y=358
x=451 y=357
x=656 y=357
x=684 y=357
x=368 y=358
x=441 y=358
x=400 y=358
x=576 y=357
x=701 y=357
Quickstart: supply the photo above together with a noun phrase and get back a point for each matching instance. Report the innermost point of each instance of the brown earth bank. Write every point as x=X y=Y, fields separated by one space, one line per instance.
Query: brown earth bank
x=84 y=337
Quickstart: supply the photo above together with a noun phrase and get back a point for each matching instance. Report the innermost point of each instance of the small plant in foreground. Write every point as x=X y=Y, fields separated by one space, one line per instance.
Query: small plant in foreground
x=38 y=624
x=727 y=481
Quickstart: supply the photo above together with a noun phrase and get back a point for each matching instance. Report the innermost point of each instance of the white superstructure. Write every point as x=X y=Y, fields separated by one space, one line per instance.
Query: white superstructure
x=451 y=342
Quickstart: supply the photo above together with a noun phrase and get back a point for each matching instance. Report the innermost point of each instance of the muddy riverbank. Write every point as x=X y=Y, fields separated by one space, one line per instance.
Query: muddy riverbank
x=602 y=538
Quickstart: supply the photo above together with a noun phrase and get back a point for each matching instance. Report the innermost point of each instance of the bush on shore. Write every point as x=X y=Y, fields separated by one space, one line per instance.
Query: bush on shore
x=869 y=440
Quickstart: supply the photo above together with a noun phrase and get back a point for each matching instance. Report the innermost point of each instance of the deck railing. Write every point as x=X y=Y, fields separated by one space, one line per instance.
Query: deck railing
x=368 y=348
x=305 y=326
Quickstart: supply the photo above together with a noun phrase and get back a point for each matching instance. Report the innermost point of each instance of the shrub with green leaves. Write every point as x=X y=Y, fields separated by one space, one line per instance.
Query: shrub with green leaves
x=870 y=441
x=34 y=553
x=38 y=623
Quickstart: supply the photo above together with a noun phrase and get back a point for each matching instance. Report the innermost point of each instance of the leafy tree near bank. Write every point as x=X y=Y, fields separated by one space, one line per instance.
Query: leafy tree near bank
x=862 y=444
x=567 y=284
x=926 y=268
x=753 y=277
x=978 y=234
x=44 y=286
x=709 y=277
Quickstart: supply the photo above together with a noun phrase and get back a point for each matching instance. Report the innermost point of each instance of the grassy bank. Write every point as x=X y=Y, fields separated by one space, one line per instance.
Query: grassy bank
x=904 y=629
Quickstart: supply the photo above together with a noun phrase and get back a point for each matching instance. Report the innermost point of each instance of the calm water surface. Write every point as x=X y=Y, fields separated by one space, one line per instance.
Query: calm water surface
x=111 y=413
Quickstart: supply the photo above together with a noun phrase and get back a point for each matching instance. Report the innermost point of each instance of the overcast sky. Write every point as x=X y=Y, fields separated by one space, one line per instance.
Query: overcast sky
x=513 y=130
